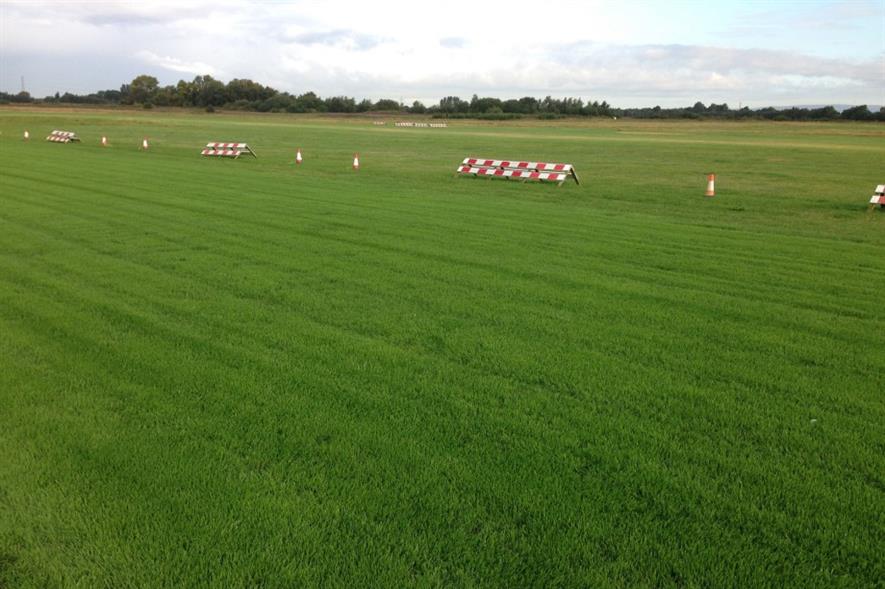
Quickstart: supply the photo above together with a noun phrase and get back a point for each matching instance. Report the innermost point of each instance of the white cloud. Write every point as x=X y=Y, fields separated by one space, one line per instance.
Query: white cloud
x=177 y=65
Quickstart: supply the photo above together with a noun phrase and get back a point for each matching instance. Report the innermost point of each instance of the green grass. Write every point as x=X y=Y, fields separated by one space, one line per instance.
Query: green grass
x=243 y=373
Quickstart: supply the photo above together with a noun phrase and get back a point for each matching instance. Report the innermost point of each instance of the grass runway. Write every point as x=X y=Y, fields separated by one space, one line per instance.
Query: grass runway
x=247 y=373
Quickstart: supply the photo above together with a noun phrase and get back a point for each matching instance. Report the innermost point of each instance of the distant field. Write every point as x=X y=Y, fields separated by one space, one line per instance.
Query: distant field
x=243 y=373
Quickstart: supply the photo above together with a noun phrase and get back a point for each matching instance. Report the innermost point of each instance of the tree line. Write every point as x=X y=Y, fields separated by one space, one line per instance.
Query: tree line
x=238 y=94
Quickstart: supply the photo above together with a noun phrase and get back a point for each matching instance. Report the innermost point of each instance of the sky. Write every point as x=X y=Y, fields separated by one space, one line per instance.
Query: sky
x=627 y=52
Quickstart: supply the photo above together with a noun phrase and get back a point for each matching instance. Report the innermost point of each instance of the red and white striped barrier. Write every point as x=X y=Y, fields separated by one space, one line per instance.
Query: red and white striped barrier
x=421 y=124
x=520 y=165
x=227 y=146
x=558 y=177
x=879 y=197
x=520 y=170
x=233 y=150
x=62 y=137
x=378 y=123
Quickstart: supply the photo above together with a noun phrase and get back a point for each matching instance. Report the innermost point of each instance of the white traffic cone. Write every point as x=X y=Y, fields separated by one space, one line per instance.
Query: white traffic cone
x=356 y=162
x=711 y=185
x=298 y=156
x=144 y=144
x=26 y=136
x=104 y=141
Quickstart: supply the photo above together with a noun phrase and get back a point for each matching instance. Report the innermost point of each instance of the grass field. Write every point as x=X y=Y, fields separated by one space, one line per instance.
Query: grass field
x=243 y=373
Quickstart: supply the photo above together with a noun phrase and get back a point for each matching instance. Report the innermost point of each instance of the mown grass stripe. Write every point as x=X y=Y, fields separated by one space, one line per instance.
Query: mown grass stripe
x=242 y=373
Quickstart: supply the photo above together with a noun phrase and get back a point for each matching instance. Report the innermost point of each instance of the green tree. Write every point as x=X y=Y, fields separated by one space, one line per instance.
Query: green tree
x=248 y=90
x=387 y=104
x=167 y=96
x=857 y=113
x=340 y=104
x=208 y=91
x=484 y=105
x=310 y=102
x=824 y=113
x=143 y=89
x=453 y=104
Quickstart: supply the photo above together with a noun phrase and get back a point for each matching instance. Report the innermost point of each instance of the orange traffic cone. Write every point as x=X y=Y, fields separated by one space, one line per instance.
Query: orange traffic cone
x=711 y=188
x=298 y=156
x=144 y=144
x=356 y=162
x=26 y=136
x=104 y=141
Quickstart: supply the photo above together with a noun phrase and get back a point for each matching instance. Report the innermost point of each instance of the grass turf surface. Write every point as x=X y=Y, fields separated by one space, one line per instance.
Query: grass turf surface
x=237 y=373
